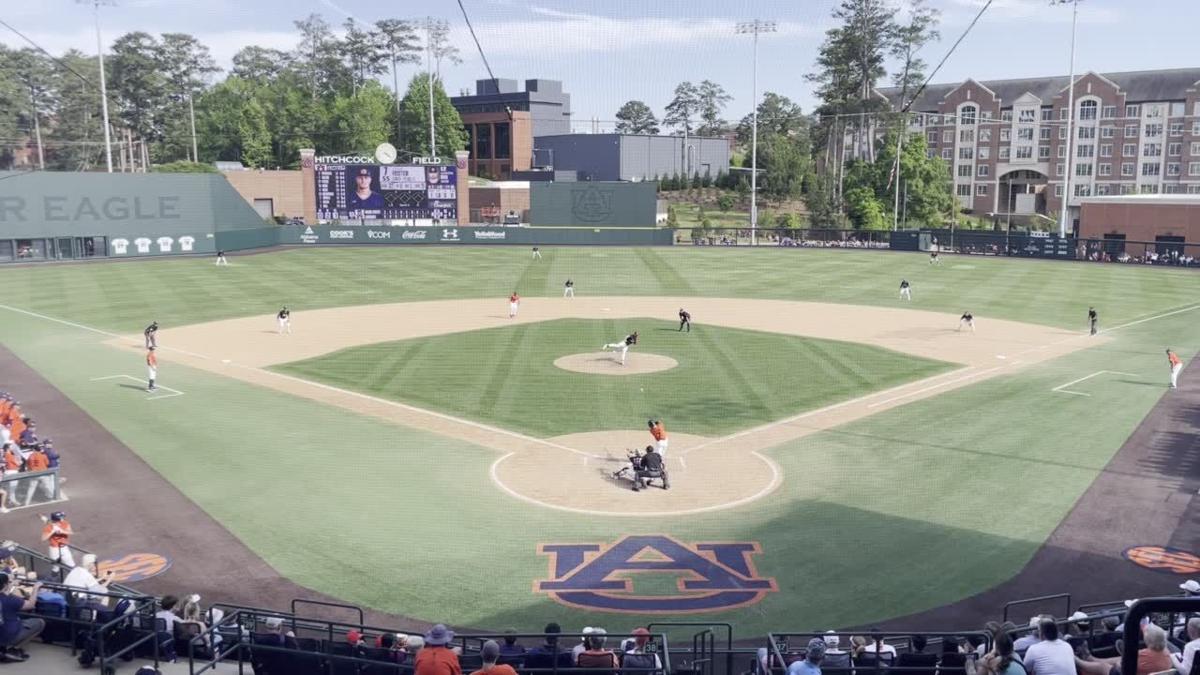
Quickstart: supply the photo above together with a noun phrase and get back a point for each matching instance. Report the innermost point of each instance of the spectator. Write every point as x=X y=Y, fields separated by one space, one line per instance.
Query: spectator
x=1031 y=638
x=193 y=620
x=1050 y=656
x=548 y=654
x=917 y=658
x=84 y=577
x=952 y=659
x=834 y=657
x=491 y=656
x=16 y=632
x=638 y=657
x=1153 y=658
x=1183 y=663
x=811 y=663
x=274 y=635
x=414 y=644
x=51 y=453
x=579 y=648
x=878 y=646
x=167 y=613
x=437 y=658
x=595 y=655
x=355 y=638
x=1002 y=660
x=510 y=648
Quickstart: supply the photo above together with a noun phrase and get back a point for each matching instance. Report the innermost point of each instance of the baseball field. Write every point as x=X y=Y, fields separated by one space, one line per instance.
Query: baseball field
x=410 y=448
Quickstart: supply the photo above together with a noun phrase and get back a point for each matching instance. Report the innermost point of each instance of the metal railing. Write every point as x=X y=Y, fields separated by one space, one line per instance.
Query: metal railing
x=21 y=488
x=1143 y=608
x=779 y=650
x=1040 y=599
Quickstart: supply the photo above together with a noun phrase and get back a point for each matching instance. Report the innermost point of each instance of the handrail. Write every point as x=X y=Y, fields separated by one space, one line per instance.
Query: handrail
x=1142 y=608
x=777 y=660
x=705 y=624
x=1041 y=598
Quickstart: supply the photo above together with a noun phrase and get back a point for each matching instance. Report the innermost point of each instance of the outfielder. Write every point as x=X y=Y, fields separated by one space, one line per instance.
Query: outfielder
x=623 y=345
x=537 y=255
x=659 y=432
x=57 y=534
x=966 y=320
x=1092 y=319
x=1176 y=366
x=685 y=319
x=933 y=258
x=221 y=258
x=151 y=368
x=514 y=304
x=905 y=292
x=284 y=317
x=569 y=289
x=151 y=335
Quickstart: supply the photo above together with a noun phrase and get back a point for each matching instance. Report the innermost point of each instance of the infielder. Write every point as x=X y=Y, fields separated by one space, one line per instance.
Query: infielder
x=623 y=345
x=685 y=319
x=905 y=292
x=151 y=368
x=221 y=258
x=537 y=255
x=933 y=258
x=284 y=318
x=569 y=289
x=1092 y=319
x=151 y=335
x=966 y=320
x=57 y=534
x=659 y=432
x=1176 y=366
x=514 y=304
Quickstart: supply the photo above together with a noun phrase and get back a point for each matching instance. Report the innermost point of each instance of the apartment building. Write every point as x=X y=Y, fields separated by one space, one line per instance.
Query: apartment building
x=1007 y=140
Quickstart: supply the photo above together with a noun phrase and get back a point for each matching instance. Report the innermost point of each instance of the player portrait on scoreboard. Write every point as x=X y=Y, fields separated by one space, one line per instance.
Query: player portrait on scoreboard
x=364 y=194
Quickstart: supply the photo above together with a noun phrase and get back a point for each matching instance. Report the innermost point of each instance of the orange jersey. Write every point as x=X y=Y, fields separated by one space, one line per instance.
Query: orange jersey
x=12 y=460
x=13 y=414
x=1173 y=358
x=152 y=359
x=514 y=298
x=17 y=428
x=57 y=538
x=37 y=461
x=658 y=432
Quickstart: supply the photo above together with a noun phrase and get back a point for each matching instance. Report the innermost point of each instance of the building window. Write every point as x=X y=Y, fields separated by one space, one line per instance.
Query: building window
x=1151 y=169
x=1058 y=190
x=1083 y=169
x=1195 y=149
x=1106 y=150
x=967 y=115
x=1003 y=152
x=1085 y=151
x=1127 y=169
x=1059 y=169
x=1005 y=115
x=985 y=115
x=1062 y=133
x=1174 y=149
x=1105 y=170
x=1127 y=189
x=930 y=153
x=1083 y=190
x=1176 y=129
x=1043 y=152
x=1102 y=189
x=1153 y=130
x=1173 y=169
x=1129 y=149
x=1062 y=151
x=1087 y=110
x=1047 y=114
x=1131 y=130
x=1025 y=134
x=981 y=190
x=985 y=135
x=1109 y=112
x=1132 y=111
x=966 y=153
x=1194 y=168
x=1027 y=115
x=1151 y=189
x=964 y=170
x=483 y=141
x=1005 y=135
x=1152 y=150
x=983 y=171
x=931 y=136
x=986 y=153
x=1196 y=109
x=1154 y=111
x=963 y=190
x=1044 y=133
x=1108 y=132
x=1024 y=152
x=947 y=136
x=503 y=142
x=1178 y=109
x=947 y=153
x=1194 y=189
x=966 y=136
x=1062 y=113
x=1087 y=132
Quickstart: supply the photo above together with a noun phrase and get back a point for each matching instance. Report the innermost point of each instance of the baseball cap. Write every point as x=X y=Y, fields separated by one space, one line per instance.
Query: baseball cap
x=1191 y=586
x=363 y=172
x=273 y=622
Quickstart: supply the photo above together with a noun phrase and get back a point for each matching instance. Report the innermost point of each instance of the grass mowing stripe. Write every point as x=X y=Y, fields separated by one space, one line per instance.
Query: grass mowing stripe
x=501 y=370
x=670 y=282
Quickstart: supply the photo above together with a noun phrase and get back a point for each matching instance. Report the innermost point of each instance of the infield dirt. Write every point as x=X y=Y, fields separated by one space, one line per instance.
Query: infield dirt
x=707 y=473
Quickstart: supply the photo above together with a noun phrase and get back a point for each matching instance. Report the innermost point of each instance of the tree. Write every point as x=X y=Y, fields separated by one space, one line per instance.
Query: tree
x=925 y=181
x=437 y=35
x=77 y=121
x=864 y=209
x=672 y=216
x=259 y=64
x=682 y=109
x=712 y=100
x=187 y=64
x=185 y=167
x=363 y=53
x=318 y=58
x=696 y=182
x=138 y=84
x=398 y=40
x=414 y=113
x=784 y=146
x=908 y=39
x=232 y=124
x=725 y=203
x=29 y=95
x=365 y=120
x=635 y=117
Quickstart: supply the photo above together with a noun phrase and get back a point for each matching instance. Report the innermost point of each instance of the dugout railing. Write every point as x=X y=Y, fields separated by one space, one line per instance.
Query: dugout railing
x=24 y=487
x=783 y=649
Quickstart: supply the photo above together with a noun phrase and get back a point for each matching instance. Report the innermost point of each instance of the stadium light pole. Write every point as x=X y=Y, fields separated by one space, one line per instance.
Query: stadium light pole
x=754 y=27
x=103 y=86
x=1066 y=203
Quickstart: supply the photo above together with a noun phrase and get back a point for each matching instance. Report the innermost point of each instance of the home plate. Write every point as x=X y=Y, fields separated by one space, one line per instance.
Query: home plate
x=225 y=361
x=605 y=309
x=1001 y=356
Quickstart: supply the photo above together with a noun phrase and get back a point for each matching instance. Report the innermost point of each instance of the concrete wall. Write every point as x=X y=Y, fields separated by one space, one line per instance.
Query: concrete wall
x=593 y=204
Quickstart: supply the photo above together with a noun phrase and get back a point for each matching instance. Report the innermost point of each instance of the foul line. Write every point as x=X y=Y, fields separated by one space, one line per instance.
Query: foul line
x=139 y=381
x=935 y=386
x=1152 y=318
x=1062 y=388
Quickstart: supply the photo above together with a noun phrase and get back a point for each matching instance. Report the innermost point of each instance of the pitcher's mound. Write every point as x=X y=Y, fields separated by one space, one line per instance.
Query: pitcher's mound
x=607 y=363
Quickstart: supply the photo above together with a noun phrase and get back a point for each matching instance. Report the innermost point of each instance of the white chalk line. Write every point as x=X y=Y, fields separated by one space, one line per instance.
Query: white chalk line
x=1062 y=388
x=139 y=381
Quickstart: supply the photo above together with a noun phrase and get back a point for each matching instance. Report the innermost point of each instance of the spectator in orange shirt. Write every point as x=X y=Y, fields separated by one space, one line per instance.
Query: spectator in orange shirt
x=491 y=654
x=57 y=532
x=436 y=658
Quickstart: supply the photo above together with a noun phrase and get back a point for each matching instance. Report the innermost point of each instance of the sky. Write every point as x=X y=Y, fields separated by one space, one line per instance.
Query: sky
x=607 y=52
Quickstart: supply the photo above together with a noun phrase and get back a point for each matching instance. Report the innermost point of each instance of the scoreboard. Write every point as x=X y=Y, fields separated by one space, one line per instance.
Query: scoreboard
x=386 y=192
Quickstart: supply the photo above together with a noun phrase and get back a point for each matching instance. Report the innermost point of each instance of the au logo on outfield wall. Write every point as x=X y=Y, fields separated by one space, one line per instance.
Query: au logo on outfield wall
x=711 y=576
x=1164 y=558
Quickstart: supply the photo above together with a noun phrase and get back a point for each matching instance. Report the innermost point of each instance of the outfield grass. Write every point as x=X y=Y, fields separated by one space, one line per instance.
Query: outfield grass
x=912 y=508
x=727 y=379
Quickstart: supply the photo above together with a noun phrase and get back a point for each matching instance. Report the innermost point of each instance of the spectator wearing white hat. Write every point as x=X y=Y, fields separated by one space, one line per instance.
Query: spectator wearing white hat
x=1185 y=663
x=1190 y=587
x=834 y=657
x=1032 y=637
x=582 y=646
x=86 y=577
x=596 y=656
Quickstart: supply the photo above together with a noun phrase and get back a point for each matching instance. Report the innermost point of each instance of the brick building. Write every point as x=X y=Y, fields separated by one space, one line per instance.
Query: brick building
x=1006 y=140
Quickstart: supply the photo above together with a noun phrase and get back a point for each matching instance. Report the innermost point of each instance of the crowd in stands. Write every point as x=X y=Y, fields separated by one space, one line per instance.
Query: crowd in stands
x=828 y=243
x=23 y=452
x=1172 y=257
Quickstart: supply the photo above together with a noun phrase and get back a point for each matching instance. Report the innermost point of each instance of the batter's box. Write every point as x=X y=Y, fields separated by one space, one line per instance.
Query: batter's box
x=155 y=396
x=1062 y=388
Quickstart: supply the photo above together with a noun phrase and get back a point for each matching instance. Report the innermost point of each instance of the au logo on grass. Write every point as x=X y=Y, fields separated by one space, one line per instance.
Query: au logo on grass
x=135 y=567
x=710 y=576
x=1165 y=558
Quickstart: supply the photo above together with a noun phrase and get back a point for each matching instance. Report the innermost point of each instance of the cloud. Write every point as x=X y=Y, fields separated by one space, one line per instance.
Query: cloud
x=1021 y=10
x=223 y=44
